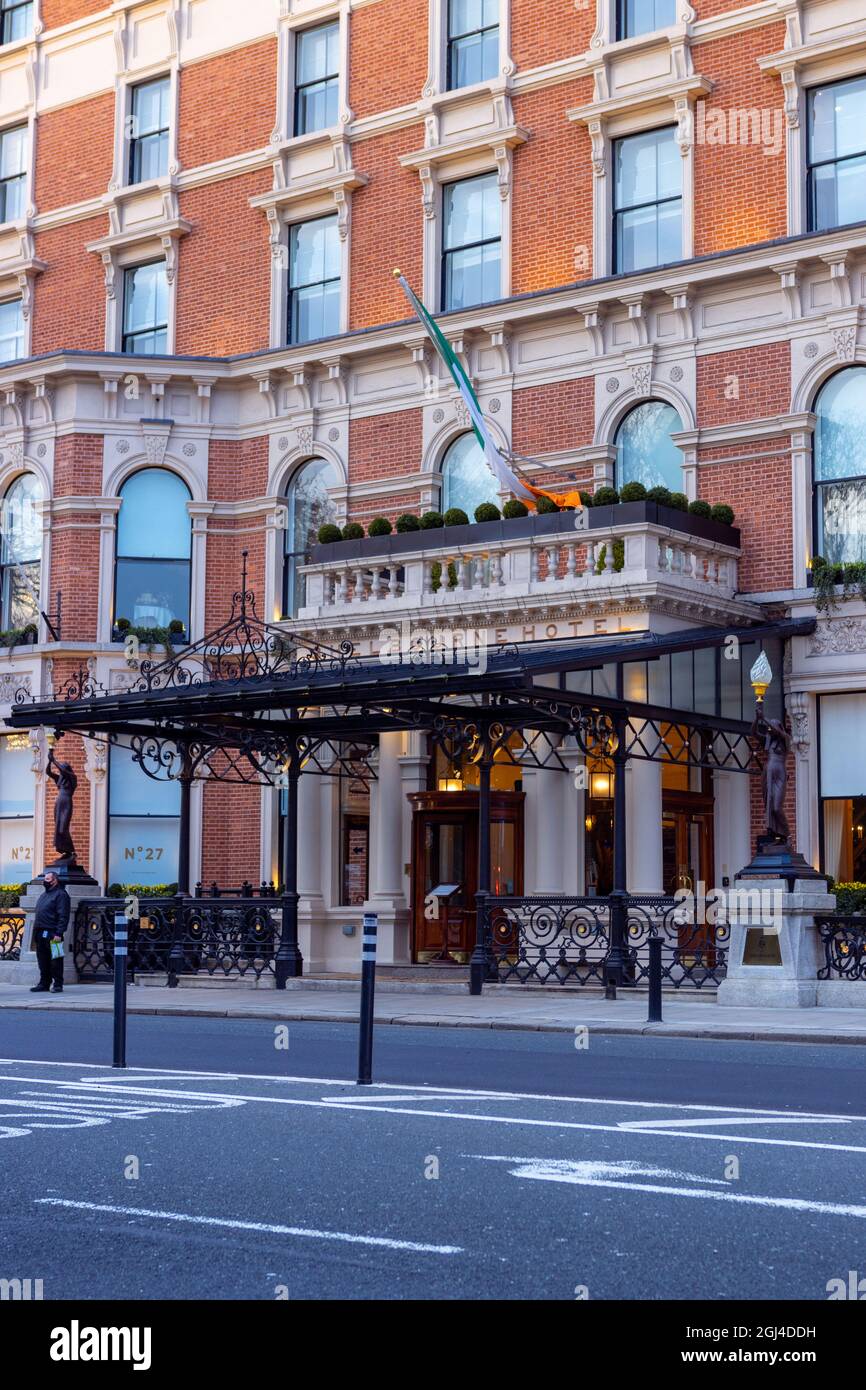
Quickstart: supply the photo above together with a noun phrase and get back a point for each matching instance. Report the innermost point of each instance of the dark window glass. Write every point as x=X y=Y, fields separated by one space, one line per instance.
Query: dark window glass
x=648 y=202
x=472 y=242
x=16 y=20
x=840 y=467
x=148 y=143
x=152 y=572
x=314 y=280
x=473 y=41
x=317 y=67
x=145 y=309
x=13 y=155
x=837 y=154
x=21 y=552
x=644 y=17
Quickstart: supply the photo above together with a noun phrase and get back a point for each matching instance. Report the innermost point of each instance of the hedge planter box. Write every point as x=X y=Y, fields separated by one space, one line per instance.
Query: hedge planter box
x=484 y=533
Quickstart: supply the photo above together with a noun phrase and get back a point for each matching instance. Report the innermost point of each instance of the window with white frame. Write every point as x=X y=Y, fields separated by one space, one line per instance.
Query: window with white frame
x=150 y=104
x=648 y=200
x=145 y=309
x=473 y=42
x=310 y=503
x=471 y=242
x=836 y=141
x=11 y=330
x=143 y=824
x=467 y=481
x=840 y=468
x=20 y=553
x=317 y=78
x=635 y=17
x=645 y=451
x=16 y=20
x=16 y=809
x=153 y=565
x=314 y=280
x=13 y=172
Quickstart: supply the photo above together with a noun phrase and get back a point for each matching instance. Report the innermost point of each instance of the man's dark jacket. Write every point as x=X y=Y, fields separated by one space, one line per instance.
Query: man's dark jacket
x=52 y=914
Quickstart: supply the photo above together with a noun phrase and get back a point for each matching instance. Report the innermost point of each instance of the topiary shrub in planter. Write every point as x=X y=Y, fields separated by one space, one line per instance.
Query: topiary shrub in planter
x=514 y=509
x=545 y=505
x=660 y=495
x=141 y=890
x=488 y=511
x=19 y=636
x=618 y=557
x=586 y=498
x=723 y=513
x=406 y=523
x=632 y=492
x=353 y=531
x=431 y=521
x=380 y=526
x=850 y=897
x=10 y=894
x=605 y=497
x=329 y=534
x=700 y=508
x=679 y=502
x=455 y=516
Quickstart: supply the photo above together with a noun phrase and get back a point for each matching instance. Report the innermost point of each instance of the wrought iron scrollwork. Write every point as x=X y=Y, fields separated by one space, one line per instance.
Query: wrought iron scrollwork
x=844 y=942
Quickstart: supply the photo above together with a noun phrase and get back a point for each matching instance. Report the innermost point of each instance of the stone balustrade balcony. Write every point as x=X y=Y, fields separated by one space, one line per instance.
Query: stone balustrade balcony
x=637 y=556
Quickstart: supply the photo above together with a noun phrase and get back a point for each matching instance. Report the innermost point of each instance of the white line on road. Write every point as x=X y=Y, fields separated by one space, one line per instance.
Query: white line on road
x=557 y=1170
x=384 y=1242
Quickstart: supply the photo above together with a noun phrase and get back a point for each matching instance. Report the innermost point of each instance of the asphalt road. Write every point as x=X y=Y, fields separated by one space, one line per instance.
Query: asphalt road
x=623 y=1171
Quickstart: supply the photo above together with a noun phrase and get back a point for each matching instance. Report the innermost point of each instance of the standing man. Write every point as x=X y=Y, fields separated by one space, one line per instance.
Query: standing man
x=49 y=924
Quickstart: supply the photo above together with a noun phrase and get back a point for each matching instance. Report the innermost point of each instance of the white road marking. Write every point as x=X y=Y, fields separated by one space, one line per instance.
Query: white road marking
x=561 y=1170
x=655 y=1126
x=384 y=1104
x=143 y=1073
x=383 y=1242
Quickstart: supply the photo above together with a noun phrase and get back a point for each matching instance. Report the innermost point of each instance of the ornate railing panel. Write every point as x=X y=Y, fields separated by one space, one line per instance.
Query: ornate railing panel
x=214 y=936
x=844 y=941
x=11 y=933
x=694 y=953
x=567 y=941
x=544 y=940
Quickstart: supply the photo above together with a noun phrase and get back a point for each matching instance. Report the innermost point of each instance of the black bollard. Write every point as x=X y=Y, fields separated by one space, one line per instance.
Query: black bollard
x=368 y=989
x=655 y=980
x=120 y=958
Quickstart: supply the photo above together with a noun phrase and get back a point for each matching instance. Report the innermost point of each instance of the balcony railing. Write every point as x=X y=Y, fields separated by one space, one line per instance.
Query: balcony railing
x=627 y=548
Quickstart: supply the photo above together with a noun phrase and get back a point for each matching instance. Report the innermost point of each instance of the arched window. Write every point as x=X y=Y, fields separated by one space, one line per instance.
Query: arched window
x=645 y=452
x=840 y=467
x=21 y=552
x=466 y=477
x=310 y=506
x=154 y=536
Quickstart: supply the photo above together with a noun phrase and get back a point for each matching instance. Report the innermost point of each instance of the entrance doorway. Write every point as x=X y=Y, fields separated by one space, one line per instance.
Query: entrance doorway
x=687 y=847
x=445 y=851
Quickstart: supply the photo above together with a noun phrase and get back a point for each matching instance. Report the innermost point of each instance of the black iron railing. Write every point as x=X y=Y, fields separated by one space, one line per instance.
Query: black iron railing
x=844 y=941
x=569 y=941
x=222 y=936
x=11 y=933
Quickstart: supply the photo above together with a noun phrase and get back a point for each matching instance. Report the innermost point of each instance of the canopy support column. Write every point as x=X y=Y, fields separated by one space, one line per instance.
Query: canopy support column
x=289 y=962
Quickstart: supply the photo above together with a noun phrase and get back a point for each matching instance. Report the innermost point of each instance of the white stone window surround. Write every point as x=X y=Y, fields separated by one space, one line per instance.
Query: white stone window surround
x=296 y=15
x=606 y=29
x=809 y=60
x=486 y=149
x=125 y=251
x=619 y=109
x=17 y=463
x=437 y=50
x=151 y=453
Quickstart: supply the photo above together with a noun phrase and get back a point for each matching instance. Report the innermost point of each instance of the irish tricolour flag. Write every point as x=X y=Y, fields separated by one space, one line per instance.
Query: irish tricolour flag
x=507 y=479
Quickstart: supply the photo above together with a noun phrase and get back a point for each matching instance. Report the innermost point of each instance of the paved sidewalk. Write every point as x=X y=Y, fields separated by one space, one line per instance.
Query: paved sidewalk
x=502 y=1007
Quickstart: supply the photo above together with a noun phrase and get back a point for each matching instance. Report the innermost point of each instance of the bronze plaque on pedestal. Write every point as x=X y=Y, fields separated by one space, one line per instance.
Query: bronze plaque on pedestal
x=762 y=947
